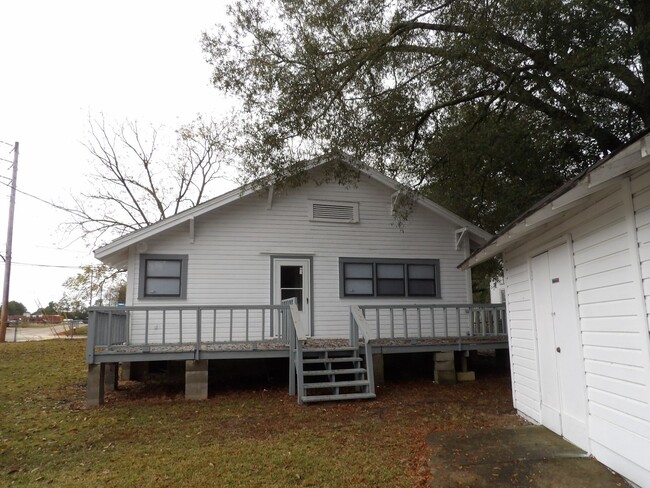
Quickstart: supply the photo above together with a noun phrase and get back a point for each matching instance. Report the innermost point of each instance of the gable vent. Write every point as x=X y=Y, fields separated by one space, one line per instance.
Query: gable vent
x=345 y=212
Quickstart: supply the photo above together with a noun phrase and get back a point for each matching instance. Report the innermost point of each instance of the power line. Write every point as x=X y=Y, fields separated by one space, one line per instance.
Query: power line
x=38 y=265
x=7 y=143
x=40 y=199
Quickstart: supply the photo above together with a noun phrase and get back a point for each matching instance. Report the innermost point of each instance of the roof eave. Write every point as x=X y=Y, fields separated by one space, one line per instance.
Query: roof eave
x=598 y=176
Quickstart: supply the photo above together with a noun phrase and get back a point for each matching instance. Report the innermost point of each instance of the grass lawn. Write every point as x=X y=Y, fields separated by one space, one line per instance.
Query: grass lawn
x=246 y=437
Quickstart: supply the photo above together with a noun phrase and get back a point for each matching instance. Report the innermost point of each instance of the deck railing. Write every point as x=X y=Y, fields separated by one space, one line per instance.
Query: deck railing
x=435 y=321
x=183 y=325
x=296 y=337
x=360 y=327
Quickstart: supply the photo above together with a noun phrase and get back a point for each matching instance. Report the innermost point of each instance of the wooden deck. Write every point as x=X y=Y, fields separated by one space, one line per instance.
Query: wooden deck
x=198 y=334
x=275 y=348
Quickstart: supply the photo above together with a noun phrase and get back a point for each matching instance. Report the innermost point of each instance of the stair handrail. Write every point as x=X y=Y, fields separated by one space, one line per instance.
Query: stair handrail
x=359 y=324
x=297 y=337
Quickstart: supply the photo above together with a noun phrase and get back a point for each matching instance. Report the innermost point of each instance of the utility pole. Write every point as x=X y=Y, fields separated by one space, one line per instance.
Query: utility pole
x=10 y=235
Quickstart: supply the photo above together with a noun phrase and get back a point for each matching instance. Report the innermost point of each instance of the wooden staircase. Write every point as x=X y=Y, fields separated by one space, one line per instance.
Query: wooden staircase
x=333 y=374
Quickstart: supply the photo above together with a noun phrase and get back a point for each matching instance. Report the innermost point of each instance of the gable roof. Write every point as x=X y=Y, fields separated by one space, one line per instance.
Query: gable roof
x=596 y=177
x=109 y=252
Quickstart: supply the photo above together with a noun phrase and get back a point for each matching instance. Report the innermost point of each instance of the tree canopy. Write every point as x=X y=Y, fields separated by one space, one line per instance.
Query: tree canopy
x=484 y=104
x=15 y=308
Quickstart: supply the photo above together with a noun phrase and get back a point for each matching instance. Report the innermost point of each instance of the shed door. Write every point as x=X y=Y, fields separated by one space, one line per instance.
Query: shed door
x=561 y=364
x=291 y=279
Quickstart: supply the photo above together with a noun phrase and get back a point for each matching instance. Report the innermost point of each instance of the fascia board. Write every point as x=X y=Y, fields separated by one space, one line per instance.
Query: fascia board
x=170 y=222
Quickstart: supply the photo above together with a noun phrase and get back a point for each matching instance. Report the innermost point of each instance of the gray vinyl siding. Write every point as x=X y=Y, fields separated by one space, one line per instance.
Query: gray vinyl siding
x=230 y=260
x=613 y=325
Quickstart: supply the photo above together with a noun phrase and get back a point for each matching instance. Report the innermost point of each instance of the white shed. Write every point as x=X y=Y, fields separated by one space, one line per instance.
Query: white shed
x=577 y=278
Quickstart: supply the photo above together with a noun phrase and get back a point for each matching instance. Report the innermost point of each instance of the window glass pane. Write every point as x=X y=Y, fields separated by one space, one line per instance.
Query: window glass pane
x=297 y=294
x=158 y=267
x=358 y=287
x=421 y=271
x=390 y=271
x=163 y=286
x=422 y=288
x=291 y=277
x=390 y=287
x=358 y=270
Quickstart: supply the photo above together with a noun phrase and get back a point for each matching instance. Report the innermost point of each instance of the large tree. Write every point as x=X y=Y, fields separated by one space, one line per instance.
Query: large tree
x=140 y=175
x=485 y=104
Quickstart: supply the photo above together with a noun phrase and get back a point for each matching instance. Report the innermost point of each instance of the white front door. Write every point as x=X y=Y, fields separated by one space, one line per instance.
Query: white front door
x=291 y=279
x=561 y=365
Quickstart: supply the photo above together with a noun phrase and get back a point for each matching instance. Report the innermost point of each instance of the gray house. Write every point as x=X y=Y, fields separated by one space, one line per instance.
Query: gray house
x=321 y=274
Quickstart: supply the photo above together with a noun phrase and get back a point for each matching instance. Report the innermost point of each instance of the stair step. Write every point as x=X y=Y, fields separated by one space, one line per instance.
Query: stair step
x=340 y=397
x=324 y=372
x=332 y=360
x=335 y=384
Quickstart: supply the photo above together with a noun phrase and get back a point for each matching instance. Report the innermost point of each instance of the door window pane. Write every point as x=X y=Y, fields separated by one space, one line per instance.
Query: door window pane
x=291 y=277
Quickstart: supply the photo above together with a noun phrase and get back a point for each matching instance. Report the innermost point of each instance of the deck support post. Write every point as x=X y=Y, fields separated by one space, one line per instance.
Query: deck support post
x=464 y=375
x=196 y=379
x=95 y=386
x=444 y=371
x=110 y=376
x=175 y=372
x=378 y=367
x=502 y=359
x=125 y=373
x=138 y=371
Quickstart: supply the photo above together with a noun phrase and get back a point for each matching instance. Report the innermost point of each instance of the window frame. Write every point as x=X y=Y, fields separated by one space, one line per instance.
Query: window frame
x=162 y=257
x=406 y=278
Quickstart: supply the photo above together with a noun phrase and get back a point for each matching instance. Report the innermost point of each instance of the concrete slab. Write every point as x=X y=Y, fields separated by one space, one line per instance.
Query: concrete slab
x=529 y=456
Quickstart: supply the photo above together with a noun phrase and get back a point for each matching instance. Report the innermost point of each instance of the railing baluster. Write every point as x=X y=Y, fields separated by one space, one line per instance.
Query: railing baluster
x=231 y=311
x=378 y=323
x=198 y=329
x=433 y=323
x=246 y=325
x=406 y=323
x=458 y=320
x=164 y=325
x=180 y=325
x=444 y=311
x=109 y=328
x=263 y=323
x=392 y=324
x=214 y=325
x=419 y=323
x=146 y=327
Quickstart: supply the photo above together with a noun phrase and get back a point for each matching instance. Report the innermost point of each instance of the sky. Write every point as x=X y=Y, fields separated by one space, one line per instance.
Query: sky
x=61 y=62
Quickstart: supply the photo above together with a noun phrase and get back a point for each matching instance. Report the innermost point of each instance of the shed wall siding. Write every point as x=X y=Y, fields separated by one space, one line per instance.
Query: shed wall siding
x=523 y=352
x=230 y=260
x=613 y=329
